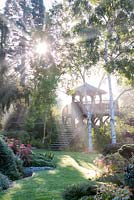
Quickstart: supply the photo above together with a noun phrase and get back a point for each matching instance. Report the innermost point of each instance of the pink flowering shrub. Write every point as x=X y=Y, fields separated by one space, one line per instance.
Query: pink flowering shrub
x=23 y=151
x=24 y=154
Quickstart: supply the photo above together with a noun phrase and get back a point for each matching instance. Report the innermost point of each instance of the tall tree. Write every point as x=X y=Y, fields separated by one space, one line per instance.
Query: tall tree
x=24 y=17
x=43 y=94
x=114 y=21
x=75 y=46
x=116 y=24
x=15 y=44
x=8 y=90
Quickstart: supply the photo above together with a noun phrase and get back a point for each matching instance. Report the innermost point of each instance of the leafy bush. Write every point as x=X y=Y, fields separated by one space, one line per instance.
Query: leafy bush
x=23 y=136
x=100 y=134
x=24 y=154
x=19 y=164
x=115 y=163
x=129 y=176
x=117 y=179
x=76 y=192
x=111 y=163
x=13 y=144
x=21 y=150
x=8 y=164
x=111 y=192
x=111 y=148
x=127 y=151
x=37 y=143
x=100 y=192
x=29 y=158
x=4 y=182
x=41 y=160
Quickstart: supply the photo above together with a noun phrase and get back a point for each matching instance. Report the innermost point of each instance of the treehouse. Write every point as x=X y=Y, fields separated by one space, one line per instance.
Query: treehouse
x=75 y=113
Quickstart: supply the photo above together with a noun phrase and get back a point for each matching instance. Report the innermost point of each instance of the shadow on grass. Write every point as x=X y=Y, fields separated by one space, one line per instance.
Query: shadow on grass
x=45 y=185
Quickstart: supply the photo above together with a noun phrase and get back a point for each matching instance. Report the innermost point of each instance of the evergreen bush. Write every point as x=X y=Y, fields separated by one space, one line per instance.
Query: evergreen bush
x=8 y=164
x=129 y=176
x=4 y=182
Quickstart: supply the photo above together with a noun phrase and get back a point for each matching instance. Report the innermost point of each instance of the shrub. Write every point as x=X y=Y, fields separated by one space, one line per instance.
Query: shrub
x=24 y=154
x=100 y=134
x=21 y=135
x=4 y=182
x=8 y=164
x=13 y=144
x=37 y=143
x=75 y=192
x=111 y=163
x=19 y=164
x=111 y=192
x=115 y=163
x=129 y=176
x=111 y=148
x=117 y=179
x=41 y=160
x=127 y=151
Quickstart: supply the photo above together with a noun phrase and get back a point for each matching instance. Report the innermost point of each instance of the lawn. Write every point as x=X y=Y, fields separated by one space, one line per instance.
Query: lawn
x=71 y=168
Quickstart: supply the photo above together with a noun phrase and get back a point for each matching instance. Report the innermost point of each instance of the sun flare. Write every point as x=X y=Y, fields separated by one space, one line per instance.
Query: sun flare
x=41 y=48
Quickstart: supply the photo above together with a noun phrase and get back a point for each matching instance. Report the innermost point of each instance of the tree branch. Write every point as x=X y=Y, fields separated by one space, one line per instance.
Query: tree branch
x=124 y=91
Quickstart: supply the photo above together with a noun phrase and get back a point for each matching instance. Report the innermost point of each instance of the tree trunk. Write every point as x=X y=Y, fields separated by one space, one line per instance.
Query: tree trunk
x=112 y=114
x=89 y=122
x=44 y=132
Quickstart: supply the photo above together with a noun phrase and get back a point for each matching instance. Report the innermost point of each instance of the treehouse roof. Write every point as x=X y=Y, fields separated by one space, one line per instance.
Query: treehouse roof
x=90 y=90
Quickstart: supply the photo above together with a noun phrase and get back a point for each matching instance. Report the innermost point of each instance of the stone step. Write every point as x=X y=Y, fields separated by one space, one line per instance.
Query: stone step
x=65 y=137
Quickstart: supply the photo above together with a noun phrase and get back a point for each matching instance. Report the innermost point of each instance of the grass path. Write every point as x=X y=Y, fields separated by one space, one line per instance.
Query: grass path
x=48 y=185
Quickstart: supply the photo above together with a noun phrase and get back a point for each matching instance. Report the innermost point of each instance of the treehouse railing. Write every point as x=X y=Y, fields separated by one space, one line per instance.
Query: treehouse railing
x=98 y=107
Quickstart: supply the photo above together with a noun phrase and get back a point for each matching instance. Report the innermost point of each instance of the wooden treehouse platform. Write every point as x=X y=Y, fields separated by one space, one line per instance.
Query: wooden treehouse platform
x=97 y=106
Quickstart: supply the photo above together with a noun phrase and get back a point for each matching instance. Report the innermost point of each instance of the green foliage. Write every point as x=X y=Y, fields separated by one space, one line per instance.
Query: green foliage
x=43 y=98
x=124 y=130
x=129 y=176
x=4 y=182
x=103 y=135
x=19 y=164
x=36 y=142
x=23 y=136
x=8 y=164
x=111 y=192
x=127 y=151
x=117 y=179
x=76 y=192
x=117 y=29
x=15 y=118
x=41 y=160
x=77 y=48
x=115 y=162
x=50 y=184
x=111 y=148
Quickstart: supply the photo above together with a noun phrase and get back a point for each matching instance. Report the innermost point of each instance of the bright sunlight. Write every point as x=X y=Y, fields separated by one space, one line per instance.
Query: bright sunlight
x=41 y=48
